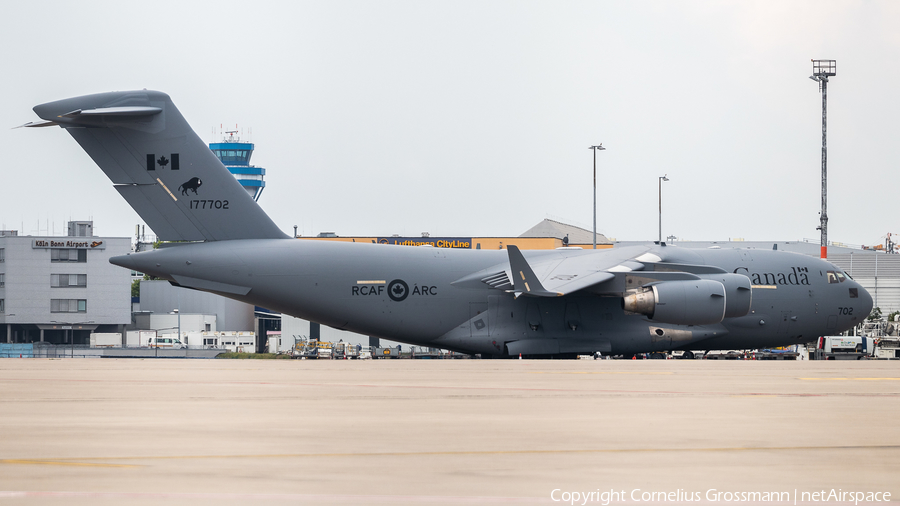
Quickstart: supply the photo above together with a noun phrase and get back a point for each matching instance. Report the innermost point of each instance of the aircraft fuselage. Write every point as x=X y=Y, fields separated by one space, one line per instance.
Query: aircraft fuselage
x=407 y=294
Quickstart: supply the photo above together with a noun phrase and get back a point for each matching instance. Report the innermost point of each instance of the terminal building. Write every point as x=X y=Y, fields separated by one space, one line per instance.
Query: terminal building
x=59 y=289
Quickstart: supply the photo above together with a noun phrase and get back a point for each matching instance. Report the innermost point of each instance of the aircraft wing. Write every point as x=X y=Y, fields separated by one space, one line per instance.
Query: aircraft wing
x=558 y=276
x=558 y=273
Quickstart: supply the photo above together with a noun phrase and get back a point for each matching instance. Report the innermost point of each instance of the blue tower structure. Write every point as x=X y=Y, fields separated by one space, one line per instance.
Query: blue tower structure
x=235 y=155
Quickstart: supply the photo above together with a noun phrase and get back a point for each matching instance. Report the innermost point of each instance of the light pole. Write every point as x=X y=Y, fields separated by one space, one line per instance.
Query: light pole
x=661 y=179
x=822 y=70
x=596 y=148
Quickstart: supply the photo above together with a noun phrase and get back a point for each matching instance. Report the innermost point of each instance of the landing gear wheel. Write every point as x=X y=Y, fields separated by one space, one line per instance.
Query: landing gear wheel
x=689 y=355
x=657 y=356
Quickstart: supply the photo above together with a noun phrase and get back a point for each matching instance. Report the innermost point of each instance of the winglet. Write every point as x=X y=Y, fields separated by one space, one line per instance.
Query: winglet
x=524 y=279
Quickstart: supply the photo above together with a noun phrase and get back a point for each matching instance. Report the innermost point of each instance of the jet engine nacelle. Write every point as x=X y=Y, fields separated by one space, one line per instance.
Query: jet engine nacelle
x=738 y=294
x=691 y=302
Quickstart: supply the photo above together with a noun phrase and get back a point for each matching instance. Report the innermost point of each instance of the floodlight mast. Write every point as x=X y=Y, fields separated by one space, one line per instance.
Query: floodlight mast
x=822 y=70
x=596 y=148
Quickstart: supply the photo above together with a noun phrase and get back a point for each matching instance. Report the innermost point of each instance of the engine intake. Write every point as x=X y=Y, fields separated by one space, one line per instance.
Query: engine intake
x=691 y=302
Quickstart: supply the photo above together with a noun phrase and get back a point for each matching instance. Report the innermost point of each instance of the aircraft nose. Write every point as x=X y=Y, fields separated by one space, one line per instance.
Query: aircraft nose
x=865 y=301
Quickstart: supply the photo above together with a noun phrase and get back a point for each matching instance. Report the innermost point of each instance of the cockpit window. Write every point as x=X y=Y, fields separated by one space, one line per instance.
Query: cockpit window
x=832 y=277
x=841 y=277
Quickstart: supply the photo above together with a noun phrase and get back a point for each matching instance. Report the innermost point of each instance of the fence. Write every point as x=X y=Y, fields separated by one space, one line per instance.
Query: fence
x=48 y=350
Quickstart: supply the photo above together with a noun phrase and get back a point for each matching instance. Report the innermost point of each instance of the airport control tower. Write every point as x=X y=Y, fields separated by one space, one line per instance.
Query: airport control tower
x=236 y=157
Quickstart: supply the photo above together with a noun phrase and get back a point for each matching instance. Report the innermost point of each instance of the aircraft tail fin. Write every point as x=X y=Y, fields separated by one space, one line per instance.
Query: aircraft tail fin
x=160 y=166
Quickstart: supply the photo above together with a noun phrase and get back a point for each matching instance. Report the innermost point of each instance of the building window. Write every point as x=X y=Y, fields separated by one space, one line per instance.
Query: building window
x=2 y=254
x=68 y=255
x=2 y=280
x=2 y=305
x=68 y=280
x=68 y=306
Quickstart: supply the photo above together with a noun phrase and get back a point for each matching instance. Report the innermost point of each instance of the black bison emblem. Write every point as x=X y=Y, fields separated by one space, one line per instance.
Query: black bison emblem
x=192 y=184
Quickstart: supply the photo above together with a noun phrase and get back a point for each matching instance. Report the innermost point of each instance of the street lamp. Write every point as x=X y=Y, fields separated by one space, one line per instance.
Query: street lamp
x=596 y=148
x=661 y=179
x=178 y=312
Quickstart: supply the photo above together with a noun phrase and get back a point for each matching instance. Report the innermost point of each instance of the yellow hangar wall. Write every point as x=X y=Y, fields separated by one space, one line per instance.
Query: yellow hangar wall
x=531 y=243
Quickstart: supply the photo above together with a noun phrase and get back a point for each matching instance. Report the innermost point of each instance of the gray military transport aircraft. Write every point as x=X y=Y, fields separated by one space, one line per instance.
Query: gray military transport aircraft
x=499 y=303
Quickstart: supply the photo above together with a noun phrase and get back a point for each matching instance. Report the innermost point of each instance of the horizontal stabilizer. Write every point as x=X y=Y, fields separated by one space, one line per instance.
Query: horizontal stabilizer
x=37 y=124
x=114 y=111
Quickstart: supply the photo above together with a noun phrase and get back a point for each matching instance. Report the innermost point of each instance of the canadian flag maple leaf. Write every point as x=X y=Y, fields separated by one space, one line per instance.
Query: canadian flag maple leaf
x=398 y=289
x=163 y=161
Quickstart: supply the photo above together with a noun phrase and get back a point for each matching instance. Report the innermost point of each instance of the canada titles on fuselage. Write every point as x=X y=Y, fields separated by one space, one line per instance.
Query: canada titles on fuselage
x=797 y=276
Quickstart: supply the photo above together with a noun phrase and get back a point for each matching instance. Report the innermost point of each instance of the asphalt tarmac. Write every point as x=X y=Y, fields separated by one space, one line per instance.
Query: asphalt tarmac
x=132 y=431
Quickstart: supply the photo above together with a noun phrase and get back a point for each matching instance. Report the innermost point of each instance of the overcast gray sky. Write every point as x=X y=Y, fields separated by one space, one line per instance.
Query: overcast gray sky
x=474 y=118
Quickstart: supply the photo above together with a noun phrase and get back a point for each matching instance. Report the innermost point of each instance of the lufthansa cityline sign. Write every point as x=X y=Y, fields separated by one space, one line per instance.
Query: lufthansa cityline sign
x=437 y=242
x=67 y=244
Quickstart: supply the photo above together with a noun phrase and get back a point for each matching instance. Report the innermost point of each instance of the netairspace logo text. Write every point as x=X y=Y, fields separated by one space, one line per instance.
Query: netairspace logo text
x=606 y=497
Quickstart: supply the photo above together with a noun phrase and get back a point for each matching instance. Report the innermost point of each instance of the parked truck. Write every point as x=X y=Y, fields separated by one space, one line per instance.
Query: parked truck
x=844 y=348
x=139 y=338
x=106 y=340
